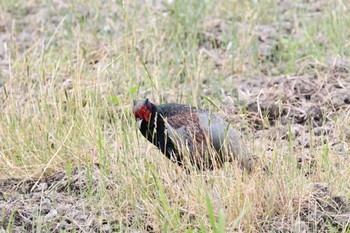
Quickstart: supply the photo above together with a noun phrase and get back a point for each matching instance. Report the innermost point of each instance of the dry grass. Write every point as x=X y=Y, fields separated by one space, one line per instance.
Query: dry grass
x=69 y=72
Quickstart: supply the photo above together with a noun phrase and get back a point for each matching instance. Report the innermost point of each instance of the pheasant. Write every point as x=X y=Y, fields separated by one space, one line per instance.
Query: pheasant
x=190 y=136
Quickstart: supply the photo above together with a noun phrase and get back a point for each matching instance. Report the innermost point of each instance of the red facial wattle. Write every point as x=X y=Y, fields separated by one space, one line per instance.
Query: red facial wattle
x=144 y=113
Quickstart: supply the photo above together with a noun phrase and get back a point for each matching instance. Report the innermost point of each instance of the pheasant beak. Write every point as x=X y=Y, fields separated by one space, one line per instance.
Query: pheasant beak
x=139 y=122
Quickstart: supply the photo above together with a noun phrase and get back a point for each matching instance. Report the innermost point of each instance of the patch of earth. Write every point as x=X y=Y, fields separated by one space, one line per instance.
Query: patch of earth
x=321 y=212
x=294 y=107
x=59 y=201
x=299 y=105
x=308 y=97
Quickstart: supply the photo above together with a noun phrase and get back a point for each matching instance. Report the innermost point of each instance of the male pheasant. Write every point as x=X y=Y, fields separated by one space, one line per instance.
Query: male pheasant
x=190 y=136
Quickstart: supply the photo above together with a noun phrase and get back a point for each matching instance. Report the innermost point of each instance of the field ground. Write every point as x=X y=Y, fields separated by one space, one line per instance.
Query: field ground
x=72 y=159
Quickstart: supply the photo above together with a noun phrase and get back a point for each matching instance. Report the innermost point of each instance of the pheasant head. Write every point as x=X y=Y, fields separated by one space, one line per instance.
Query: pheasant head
x=143 y=110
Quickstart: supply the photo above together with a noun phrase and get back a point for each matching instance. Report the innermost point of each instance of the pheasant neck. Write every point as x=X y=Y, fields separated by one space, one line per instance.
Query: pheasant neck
x=154 y=131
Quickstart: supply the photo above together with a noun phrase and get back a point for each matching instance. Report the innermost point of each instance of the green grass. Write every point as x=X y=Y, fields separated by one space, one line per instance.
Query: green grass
x=69 y=73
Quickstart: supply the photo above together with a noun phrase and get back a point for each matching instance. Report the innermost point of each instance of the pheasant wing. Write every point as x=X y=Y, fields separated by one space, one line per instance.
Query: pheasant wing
x=187 y=133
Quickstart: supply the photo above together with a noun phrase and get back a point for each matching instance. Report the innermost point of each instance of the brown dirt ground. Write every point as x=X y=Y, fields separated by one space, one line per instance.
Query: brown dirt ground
x=57 y=199
x=307 y=100
x=300 y=103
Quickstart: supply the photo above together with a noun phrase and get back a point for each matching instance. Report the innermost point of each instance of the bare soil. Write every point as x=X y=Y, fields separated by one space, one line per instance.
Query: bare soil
x=276 y=106
x=59 y=199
